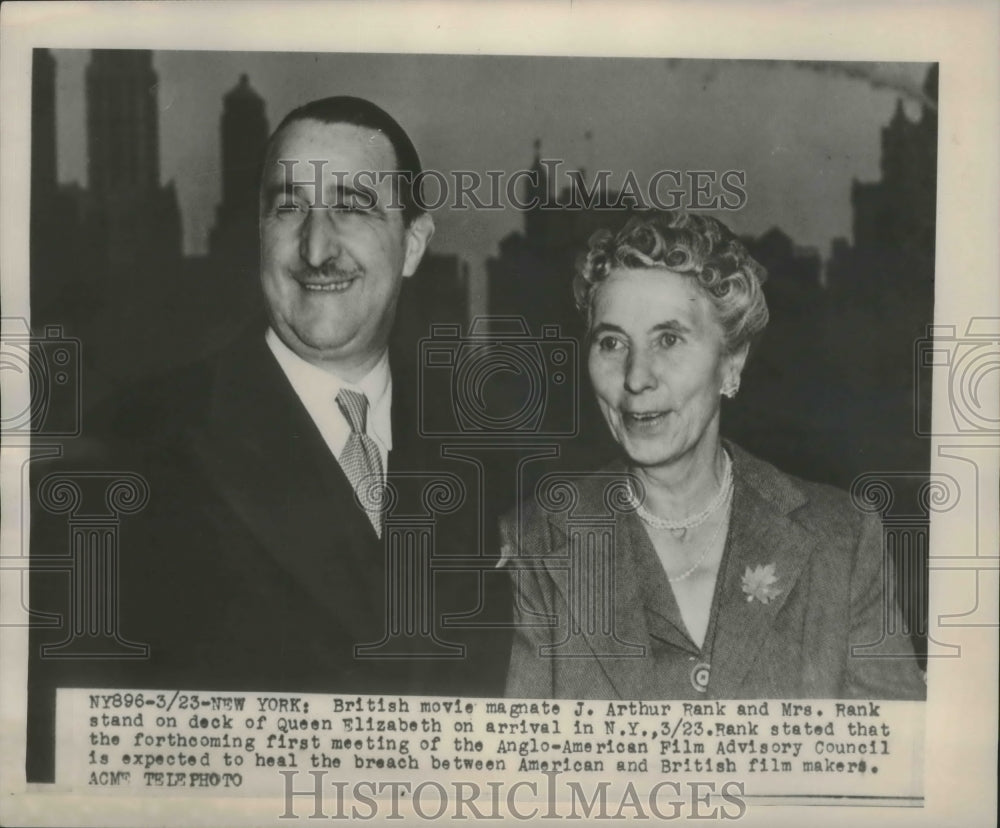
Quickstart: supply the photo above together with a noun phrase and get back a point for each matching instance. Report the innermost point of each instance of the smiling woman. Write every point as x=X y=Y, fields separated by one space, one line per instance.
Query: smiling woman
x=726 y=578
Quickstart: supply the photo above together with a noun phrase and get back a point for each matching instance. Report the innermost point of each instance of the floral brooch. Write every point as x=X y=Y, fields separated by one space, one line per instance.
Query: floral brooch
x=759 y=583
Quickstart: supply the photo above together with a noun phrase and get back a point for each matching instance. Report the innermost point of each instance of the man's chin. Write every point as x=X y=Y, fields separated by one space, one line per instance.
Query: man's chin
x=327 y=342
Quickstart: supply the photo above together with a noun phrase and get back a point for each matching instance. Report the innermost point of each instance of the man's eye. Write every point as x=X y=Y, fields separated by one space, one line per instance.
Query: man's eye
x=353 y=208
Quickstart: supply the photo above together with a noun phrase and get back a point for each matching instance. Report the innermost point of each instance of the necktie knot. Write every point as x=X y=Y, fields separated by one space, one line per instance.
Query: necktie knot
x=354 y=406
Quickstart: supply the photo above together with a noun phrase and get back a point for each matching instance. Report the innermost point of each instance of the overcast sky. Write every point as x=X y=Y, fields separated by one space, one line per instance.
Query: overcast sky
x=800 y=131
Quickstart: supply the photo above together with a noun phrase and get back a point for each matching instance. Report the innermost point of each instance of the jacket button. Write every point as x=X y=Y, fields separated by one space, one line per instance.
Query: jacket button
x=700 y=674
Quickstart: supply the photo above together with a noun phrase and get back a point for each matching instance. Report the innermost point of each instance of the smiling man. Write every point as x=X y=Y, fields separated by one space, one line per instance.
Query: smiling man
x=335 y=247
x=262 y=562
x=263 y=565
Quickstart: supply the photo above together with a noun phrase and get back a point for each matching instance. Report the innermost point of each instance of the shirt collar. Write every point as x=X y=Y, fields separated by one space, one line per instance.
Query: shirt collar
x=317 y=387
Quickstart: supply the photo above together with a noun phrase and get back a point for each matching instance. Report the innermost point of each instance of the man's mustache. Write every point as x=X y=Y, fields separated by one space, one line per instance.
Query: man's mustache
x=327 y=272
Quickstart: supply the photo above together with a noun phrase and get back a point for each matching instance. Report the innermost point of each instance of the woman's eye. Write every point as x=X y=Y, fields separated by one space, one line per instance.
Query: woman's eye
x=610 y=343
x=668 y=340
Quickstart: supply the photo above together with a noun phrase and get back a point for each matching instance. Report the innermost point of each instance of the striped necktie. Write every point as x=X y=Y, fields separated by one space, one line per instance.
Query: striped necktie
x=360 y=458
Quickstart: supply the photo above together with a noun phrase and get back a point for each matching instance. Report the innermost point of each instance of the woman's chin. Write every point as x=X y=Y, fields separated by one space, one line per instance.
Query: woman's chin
x=648 y=452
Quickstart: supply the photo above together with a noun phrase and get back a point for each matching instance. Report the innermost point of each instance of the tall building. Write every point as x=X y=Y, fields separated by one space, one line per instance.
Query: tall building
x=243 y=132
x=881 y=286
x=894 y=218
x=122 y=122
x=43 y=125
x=531 y=280
x=898 y=210
x=882 y=281
x=137 y=220
x=43 y=254
x=533 y=275
x=61 y=256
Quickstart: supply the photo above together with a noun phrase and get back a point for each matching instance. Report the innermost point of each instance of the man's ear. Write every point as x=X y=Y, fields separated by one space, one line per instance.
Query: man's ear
x=418 y=236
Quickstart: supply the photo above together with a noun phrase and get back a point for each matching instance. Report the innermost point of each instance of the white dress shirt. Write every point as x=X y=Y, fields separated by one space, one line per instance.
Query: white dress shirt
x=318 y=391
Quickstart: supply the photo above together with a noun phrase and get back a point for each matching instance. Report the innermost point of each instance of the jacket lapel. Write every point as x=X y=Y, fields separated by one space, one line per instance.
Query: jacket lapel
x=663 y=615
x=623 y=652
x=265 y=456
x=760 y=533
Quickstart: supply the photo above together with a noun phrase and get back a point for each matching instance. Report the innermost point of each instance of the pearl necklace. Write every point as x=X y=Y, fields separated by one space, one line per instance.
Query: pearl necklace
x=683 y=525
x=711 y=542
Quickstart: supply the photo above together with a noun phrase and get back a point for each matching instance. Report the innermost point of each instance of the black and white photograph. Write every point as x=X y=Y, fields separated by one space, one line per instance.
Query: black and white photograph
x=485 y=432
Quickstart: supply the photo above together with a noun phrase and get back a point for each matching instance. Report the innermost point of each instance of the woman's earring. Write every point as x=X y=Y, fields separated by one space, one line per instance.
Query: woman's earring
x=731 y=388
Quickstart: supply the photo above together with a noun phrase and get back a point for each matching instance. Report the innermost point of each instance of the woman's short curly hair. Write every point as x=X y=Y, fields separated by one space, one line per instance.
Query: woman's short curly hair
x=692 y=245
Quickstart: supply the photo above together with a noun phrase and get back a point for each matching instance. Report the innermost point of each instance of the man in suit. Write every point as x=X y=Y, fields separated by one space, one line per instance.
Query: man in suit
x=260 y=563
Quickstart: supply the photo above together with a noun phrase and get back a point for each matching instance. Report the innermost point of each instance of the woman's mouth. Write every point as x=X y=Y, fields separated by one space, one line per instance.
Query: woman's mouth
x=643 y=420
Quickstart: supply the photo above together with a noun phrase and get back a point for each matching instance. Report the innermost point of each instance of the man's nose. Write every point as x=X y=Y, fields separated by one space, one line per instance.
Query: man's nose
x=318 y=241
x=639 y=375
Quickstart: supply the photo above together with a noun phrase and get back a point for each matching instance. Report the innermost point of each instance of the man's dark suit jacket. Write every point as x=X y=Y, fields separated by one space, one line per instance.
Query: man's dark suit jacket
x=253 y=568
x=832 y=585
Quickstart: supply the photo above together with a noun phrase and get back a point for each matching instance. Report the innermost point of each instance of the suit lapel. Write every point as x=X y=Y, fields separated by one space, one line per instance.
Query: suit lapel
x=760 y=533
x=264 y=454
x=625 y=658
x=662 y=612
x=410 y=449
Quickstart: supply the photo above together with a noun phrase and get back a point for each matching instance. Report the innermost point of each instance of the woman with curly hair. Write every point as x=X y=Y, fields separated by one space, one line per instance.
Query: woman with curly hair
x=727 y=578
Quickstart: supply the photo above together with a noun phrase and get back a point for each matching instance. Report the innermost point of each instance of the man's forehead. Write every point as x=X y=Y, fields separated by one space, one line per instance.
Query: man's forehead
x=344 y=147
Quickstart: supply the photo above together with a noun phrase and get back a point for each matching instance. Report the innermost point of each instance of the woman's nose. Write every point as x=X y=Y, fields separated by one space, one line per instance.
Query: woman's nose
x=318 y=241
x=639 y=374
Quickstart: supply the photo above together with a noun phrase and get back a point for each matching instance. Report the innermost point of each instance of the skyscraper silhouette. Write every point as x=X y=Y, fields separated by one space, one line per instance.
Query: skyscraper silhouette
x=138 y=220
x=243 y=131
